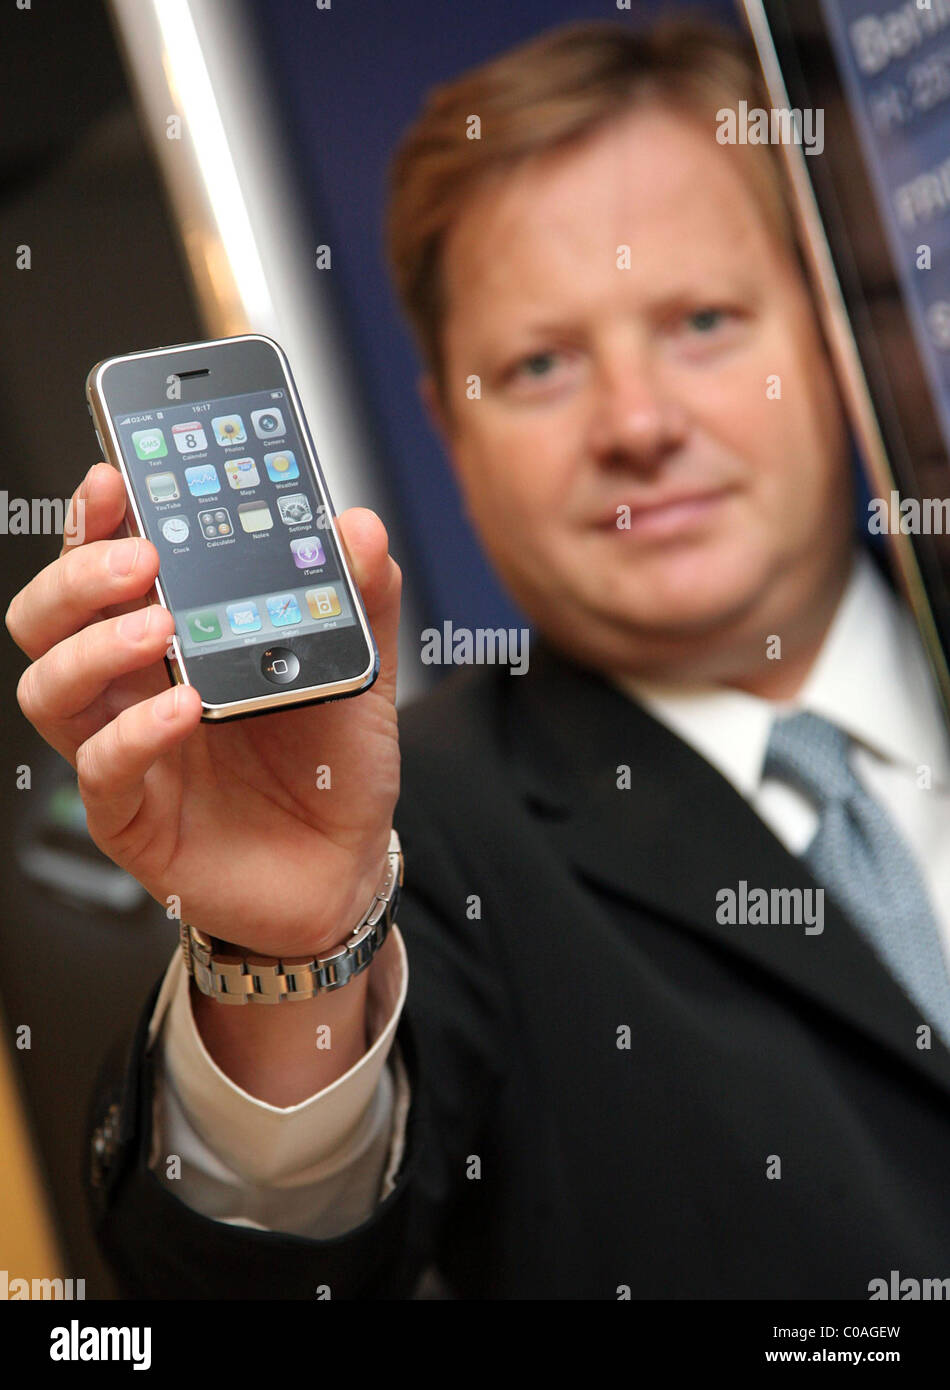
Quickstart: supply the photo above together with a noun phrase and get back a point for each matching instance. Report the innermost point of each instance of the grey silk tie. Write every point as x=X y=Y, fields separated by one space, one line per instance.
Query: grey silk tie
x=860 y=858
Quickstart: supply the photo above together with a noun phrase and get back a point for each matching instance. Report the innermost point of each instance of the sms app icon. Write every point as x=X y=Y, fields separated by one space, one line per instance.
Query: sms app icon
x=149 y=444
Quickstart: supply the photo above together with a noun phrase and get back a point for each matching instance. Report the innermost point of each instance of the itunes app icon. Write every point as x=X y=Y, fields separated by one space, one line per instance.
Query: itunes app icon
x=307 y=551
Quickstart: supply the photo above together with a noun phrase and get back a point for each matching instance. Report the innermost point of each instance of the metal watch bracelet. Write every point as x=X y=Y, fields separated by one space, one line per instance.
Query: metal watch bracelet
x=237 y=977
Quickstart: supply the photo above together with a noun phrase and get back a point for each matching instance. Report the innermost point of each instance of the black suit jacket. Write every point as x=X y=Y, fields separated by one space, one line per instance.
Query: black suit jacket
x=598 y=1166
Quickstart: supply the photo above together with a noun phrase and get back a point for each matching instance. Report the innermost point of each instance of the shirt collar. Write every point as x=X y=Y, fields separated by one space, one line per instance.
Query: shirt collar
x=870 y=677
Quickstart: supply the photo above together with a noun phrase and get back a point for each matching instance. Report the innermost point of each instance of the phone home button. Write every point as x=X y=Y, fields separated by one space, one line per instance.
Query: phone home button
x=280 y=665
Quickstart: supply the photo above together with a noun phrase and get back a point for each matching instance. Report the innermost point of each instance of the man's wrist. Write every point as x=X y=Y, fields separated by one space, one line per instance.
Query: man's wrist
x=230 y=974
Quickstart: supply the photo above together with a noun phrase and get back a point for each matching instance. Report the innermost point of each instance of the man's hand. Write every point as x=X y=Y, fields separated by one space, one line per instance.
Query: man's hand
x=229 y=818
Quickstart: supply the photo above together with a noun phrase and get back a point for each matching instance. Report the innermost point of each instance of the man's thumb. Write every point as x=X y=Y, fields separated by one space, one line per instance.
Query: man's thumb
x=379 y=580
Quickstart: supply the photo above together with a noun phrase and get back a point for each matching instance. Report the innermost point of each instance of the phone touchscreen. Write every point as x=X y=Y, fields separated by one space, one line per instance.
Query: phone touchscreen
x=225 y=493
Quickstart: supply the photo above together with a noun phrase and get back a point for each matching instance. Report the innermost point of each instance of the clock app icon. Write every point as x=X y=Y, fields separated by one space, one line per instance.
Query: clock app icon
x=176 y=530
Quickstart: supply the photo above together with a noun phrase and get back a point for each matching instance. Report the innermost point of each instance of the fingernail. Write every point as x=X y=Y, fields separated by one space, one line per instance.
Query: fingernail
x=166 y=706
x=87 y=481
x=122 y=556
x=134 y=626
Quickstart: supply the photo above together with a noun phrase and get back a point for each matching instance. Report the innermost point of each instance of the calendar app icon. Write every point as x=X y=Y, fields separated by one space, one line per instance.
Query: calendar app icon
x=189 y=438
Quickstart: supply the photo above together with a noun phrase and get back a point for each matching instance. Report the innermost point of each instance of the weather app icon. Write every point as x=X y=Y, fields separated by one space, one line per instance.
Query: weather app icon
x=282 y=466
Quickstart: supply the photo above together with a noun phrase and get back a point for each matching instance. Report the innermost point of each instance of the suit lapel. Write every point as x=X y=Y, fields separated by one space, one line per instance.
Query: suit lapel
x=678 y=836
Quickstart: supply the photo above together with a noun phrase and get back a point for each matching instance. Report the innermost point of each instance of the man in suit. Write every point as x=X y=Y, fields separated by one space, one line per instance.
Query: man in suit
x=655 y=1021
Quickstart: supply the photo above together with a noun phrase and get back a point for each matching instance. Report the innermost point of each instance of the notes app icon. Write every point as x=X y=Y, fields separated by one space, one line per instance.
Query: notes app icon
x=255 y=516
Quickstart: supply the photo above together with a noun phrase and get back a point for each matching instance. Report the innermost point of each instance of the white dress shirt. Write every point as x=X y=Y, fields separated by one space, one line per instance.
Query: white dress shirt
x=870 y=677
x=318 y=1168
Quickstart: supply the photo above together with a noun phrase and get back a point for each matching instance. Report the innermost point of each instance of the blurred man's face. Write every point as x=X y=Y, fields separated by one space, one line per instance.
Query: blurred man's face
x=643 y=394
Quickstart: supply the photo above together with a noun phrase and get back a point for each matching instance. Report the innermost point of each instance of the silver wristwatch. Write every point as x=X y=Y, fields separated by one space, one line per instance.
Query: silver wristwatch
x=232 y=976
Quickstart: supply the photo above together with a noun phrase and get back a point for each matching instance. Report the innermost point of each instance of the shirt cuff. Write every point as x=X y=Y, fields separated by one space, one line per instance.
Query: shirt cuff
x=260 y=1142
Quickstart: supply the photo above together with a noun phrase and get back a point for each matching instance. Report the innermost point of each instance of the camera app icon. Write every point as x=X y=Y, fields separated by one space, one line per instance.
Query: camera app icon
x=268 y=424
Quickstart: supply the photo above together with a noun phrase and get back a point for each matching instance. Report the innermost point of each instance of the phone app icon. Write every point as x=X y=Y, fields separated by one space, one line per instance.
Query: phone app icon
x=229 y=429
x=242 y=473
x=283 y=609
x=149 y=444
x=294 y=509
x=307 y=552
x=256 y=516
x=323 y=603
x=268 y=424
x=162 y=487
x=281 y=467
x=176 y=530
x=215 y=522
x=202 y=480
x=204 y=627
x=189 y=438
x=244 y=617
